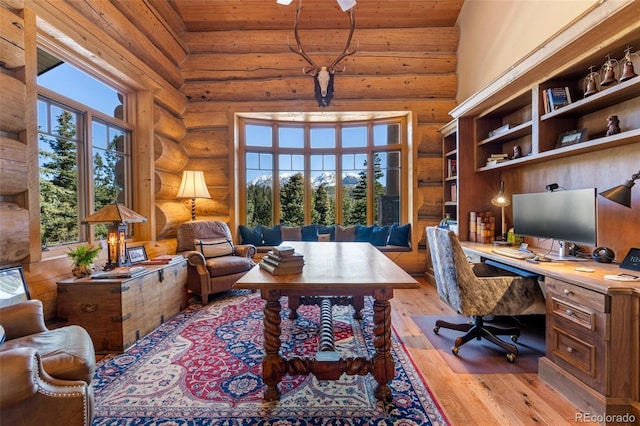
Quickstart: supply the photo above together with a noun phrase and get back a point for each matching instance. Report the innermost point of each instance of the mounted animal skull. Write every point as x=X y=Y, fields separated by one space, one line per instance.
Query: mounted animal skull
x=323 y=76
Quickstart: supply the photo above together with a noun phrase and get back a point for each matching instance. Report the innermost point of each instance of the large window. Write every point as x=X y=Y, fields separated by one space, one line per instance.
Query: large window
x=84 y=151
x=324 y=173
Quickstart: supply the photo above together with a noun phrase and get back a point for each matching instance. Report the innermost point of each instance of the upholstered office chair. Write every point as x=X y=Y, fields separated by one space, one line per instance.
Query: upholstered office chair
x=477 y=290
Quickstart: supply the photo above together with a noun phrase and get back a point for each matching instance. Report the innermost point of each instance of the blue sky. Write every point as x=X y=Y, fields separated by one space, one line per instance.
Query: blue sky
x=75 y=84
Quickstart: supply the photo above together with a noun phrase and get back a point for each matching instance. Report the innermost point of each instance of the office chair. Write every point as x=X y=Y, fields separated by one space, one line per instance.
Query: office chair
x=476 y=290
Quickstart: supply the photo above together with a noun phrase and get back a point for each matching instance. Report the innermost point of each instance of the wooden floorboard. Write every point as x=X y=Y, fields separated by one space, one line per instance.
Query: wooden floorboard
x=474 y=399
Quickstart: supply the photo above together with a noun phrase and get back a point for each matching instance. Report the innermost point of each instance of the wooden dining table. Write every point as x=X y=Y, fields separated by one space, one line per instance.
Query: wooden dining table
x=332 y=272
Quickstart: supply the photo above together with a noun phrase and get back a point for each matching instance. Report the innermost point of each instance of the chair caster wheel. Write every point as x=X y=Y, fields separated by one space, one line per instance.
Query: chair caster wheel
x=455 y=350
x=514 y=338
x=436 y=329
x=511 y=358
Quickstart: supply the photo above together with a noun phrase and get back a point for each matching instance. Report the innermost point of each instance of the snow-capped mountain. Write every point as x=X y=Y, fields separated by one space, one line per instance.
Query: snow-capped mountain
x=326 y=178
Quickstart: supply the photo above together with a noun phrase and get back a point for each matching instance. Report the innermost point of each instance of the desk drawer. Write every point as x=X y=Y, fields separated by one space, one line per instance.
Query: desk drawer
x=577 y=314
x=577 y=295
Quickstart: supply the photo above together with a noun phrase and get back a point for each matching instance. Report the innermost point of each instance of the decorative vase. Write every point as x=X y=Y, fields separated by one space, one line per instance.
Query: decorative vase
x=81 y=271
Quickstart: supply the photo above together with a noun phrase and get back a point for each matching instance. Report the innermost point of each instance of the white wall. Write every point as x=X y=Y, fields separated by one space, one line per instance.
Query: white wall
x=496 y=34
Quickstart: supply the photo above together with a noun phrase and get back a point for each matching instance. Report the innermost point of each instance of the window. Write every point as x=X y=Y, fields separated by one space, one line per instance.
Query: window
x=291 y=171
x=84 y=151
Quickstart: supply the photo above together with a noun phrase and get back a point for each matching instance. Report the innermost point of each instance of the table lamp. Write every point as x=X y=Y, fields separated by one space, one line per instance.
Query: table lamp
x=501 y=200
x=116 y=216
x=193 y=186
x=621 y=194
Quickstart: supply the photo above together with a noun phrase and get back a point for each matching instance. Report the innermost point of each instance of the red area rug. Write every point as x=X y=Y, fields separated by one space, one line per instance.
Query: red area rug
x=203 y=367
x=478 y=357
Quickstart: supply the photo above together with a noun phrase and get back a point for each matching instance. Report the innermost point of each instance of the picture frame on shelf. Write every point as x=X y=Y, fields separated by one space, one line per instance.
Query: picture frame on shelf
x=571 y=137
x=136 y=254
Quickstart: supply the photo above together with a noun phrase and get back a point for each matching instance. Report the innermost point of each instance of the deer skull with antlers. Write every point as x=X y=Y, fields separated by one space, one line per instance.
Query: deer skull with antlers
x=323 y=76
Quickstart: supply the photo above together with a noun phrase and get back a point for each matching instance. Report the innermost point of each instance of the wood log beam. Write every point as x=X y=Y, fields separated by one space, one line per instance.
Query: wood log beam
x=13 y=166
x=346 y=87
x=440 y=39
x=209 y=143
x=221 y=67
x=169 y=155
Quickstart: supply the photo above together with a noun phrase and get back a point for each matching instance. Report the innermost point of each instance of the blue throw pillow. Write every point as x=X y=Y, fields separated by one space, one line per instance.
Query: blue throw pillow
x=379 y=235
x=309 y=233
x=251 y=236
x=363 y=233
x=271 y=236
x=331 y=230
x=399 y=235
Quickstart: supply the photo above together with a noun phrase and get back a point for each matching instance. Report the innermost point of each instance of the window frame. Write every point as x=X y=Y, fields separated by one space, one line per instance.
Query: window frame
x=403 y=146
x=85 y=148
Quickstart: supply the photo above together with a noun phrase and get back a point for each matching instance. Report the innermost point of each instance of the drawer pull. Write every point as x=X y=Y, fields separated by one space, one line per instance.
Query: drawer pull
x=569 y=349
x=569 y=312
x=567 y=292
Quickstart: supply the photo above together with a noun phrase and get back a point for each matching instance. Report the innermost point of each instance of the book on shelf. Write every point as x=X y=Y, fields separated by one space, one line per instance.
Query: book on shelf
x=452 y=167
x=454 y=193
x=556 y=97
x=492 y=161
x=281 y=270
x=120 y=272
x=498 y=156
x=500 y=130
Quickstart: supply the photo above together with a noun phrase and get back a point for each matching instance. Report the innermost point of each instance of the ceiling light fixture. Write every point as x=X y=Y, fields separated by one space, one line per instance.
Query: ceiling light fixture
x=344 y=4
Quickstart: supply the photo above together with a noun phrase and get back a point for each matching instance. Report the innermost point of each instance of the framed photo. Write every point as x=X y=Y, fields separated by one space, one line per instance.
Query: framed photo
x=13 y=286
x=136 y=254
x=571 y=137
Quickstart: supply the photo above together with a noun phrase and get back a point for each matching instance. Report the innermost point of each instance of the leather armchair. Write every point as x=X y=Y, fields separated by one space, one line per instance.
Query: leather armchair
x=207 y=276
x=46 y=374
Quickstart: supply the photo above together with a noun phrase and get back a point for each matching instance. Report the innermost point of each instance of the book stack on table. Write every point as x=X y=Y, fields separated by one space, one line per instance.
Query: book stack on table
x=164 y=259
x=282 y=260
x=119 y=272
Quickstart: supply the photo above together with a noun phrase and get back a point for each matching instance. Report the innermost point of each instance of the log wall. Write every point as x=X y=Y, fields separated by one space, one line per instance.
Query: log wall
x=198 y=81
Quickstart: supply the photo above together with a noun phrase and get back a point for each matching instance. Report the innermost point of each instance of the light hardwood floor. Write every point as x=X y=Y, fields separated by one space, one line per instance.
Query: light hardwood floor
x=474 y=399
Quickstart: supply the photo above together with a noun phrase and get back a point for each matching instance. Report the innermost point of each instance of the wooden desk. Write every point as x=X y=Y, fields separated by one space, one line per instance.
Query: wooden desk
x=592 y=333
x=331 y=269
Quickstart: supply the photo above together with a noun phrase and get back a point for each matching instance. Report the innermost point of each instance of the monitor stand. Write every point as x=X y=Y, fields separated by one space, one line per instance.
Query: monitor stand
x=563 y=254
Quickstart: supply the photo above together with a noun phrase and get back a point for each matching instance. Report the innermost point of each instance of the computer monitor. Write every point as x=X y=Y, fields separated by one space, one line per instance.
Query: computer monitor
x=565 y=216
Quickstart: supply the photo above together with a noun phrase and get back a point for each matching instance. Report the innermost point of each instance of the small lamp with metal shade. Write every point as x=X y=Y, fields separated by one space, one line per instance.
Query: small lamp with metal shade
x=502 y=201
x=621 y=194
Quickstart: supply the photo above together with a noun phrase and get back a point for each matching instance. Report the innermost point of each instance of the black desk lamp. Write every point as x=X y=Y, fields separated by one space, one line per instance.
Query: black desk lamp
x=621 y=194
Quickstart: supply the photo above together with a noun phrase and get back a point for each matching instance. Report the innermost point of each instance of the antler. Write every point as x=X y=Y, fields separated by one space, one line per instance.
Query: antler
x=314 y=68
x=346 y=52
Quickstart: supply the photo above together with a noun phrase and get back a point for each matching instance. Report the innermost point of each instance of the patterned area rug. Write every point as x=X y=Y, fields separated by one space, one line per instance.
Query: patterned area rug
x=203 y=367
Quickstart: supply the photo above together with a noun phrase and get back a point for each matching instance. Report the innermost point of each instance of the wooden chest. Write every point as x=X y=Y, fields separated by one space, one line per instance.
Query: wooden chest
x=119 y=312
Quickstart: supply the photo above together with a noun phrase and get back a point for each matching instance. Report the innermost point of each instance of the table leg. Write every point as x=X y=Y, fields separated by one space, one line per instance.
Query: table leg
x=294 y=304
x=272 y=364
x=383 y=367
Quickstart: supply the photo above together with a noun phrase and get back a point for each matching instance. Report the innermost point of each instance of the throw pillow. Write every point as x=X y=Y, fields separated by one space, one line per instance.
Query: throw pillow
x=324 y=237
x=345 y=233
x=309 y=233
x=330 y=230
x=363 y=233
x=214 y=248
x=290 y=233
x=379 y=235
x=399 y=235
x=271 y=236
x=251 y=236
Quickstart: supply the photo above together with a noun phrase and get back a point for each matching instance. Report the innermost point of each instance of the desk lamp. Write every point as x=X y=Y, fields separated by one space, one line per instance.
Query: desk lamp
x=193 y=186
x=116 y=216
x=621 y=194
x=501 y=200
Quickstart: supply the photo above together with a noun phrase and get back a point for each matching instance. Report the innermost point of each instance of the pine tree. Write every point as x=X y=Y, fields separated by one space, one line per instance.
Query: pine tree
x=292 y=201
x=59 y=184
x=323 y=213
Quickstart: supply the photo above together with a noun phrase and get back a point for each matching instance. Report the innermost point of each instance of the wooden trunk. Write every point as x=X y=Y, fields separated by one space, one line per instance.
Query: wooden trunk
x=119 y=312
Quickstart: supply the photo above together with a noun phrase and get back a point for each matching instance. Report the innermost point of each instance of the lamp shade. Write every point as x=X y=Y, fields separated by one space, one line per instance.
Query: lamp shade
x=621 y=194
x=501 y=200
x=115 y=212
x=193 y=185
